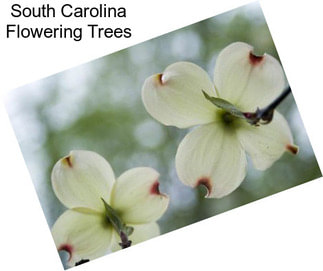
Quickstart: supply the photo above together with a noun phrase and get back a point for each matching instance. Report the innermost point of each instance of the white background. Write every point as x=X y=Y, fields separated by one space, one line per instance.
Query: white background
x=281 y=232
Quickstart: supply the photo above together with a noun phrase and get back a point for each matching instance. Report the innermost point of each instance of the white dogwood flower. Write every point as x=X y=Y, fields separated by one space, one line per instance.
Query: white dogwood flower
x=214 y=154
x=84 y=182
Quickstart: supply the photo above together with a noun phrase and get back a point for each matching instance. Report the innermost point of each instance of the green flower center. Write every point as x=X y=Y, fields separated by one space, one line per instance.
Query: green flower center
x=227 y=113
x=227 y=120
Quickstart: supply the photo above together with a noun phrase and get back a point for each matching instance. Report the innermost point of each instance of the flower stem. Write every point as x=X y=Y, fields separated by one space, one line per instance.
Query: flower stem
x=266 y=114
x=119 y=226
x=125 y=242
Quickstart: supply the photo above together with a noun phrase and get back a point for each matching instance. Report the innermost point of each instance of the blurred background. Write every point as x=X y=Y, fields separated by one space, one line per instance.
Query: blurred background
x=97 y=106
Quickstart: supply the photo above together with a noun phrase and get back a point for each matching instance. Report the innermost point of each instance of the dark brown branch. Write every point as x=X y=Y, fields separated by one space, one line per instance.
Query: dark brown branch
x=266 y=114
x=125 y=242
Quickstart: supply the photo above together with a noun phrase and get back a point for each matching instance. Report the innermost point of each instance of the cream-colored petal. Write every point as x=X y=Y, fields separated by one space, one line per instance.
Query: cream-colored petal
x=142 y=232
x=175 y=97
x=266 y=143
x=83 y=234
x=81 y=179
x=211 y=155
x=136 y=196
x=246 y=80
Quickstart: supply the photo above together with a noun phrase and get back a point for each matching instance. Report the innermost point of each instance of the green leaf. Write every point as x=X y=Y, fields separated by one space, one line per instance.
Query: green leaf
x=116 y=221
x=225 y=105
x=128 y=230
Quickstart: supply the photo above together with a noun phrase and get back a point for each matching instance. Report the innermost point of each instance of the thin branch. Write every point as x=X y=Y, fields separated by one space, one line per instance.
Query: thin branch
x=266 y=114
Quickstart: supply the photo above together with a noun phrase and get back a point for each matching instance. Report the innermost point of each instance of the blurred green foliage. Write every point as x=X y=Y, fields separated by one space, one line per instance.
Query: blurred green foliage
x=97 y=106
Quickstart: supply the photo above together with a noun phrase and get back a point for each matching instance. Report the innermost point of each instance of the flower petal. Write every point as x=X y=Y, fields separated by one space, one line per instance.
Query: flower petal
x=141 y=232
x=211 y=155
x=136 y=196
x=175 y=97
x=81 y=179
x=84 y=235
x=266 y=143
x=246 y=80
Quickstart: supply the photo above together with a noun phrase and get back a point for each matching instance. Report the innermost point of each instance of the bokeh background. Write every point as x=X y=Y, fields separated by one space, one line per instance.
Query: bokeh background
x=97 y=106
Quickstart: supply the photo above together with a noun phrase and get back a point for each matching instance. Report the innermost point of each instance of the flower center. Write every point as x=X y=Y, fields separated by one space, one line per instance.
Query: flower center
x=227 y=119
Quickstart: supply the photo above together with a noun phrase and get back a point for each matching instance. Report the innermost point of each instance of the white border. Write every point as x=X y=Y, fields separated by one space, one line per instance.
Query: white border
x=281 y=232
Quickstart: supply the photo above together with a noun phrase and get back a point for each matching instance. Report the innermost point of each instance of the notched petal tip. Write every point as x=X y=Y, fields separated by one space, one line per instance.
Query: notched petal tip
x=68 y=248
x=254 y=59
x=160 y=79
x=292 y=148
x=206 y=182
x=67 y=161
x=154 y=189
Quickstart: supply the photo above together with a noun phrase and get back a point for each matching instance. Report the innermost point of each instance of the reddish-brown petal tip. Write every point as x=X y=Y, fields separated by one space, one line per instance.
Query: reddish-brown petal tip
x=159 y=78
x=206 y=182
x=154 y=189
x=292 y=148
x=67 y=161
x=68 y=248
x=255 y=60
